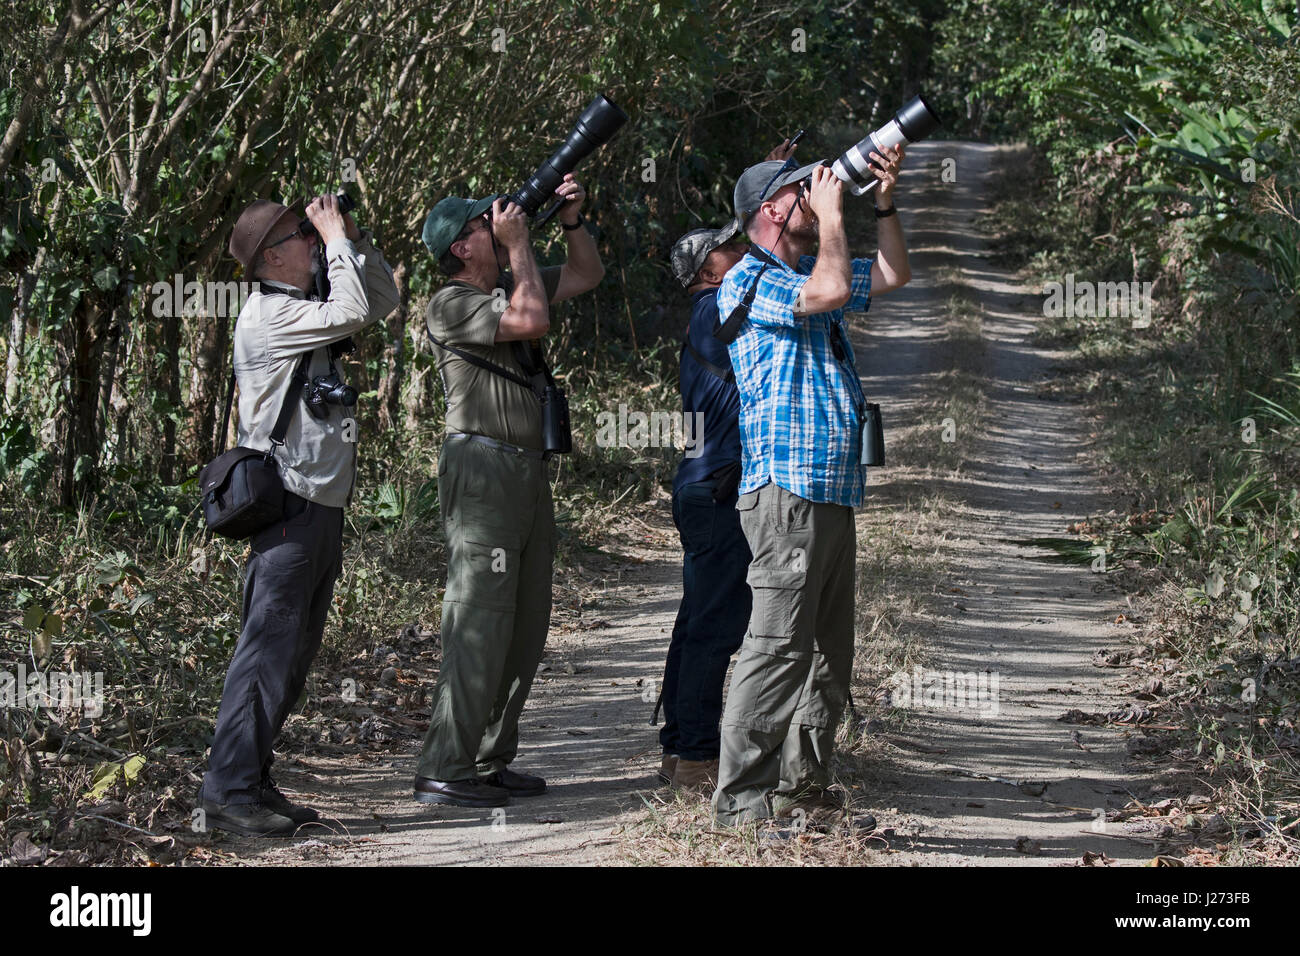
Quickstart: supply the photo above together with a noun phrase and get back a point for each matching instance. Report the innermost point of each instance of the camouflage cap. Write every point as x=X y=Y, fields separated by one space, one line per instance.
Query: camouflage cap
x=690 y=251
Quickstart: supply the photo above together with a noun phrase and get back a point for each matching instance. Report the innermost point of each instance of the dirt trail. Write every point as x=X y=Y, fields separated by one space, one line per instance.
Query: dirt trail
x=1035 y=624
x=585 y=728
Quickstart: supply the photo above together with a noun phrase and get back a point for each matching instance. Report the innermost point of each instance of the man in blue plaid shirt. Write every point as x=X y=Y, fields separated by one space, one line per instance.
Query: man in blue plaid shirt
x=801 y=419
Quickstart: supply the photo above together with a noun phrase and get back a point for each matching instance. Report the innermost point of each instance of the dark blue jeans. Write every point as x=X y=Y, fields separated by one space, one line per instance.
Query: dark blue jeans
x=710 y=623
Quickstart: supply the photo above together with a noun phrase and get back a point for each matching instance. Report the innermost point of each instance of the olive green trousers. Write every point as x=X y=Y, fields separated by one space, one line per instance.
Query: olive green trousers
x=500 y=527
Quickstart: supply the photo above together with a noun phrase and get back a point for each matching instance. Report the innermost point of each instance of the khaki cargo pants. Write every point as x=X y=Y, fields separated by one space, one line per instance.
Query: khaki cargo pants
x=500 y=527
x=791 y=681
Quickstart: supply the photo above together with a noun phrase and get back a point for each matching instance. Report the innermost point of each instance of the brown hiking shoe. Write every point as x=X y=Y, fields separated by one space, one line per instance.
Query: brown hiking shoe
x=667 y=768
x=701 y=775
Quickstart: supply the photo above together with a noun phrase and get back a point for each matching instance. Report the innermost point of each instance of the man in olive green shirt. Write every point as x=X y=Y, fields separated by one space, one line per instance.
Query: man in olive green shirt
x=492 y=486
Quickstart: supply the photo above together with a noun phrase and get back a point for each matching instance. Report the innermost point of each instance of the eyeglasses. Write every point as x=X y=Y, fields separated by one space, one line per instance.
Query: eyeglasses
x=295 y=234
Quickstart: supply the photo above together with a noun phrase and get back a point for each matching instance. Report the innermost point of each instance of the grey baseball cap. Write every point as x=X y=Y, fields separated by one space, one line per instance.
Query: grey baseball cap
x=690 y=251
x=761 y=180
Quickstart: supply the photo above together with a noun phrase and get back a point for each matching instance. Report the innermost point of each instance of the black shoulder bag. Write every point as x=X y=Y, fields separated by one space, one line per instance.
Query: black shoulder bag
x=557 y=437
x=242 y=489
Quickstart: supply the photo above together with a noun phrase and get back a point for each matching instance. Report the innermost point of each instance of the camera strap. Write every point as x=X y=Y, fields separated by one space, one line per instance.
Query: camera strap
x=495 y=369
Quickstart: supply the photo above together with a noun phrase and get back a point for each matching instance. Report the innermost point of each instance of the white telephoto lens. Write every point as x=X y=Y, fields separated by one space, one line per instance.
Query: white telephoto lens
x=891 y=134
x=854 y=167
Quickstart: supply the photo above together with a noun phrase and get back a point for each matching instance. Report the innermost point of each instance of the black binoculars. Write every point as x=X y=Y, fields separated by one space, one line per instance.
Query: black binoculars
x=346 y=205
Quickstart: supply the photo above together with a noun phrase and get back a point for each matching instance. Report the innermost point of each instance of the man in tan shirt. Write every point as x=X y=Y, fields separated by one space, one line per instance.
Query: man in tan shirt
x=291 y=569
x=492 y=486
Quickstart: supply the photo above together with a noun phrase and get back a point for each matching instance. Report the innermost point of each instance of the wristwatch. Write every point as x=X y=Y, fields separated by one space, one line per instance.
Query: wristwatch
x=577 y=225
x=886 y=213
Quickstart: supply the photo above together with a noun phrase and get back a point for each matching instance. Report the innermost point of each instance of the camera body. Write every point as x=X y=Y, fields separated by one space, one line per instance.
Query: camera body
x=326 y=390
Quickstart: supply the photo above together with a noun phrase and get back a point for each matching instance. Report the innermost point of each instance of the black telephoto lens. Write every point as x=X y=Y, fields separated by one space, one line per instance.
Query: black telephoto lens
x=917 y=119
x=594 y=128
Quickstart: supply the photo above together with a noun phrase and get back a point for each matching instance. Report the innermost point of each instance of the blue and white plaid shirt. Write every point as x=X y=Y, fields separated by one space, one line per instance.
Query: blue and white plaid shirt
x=800 y=407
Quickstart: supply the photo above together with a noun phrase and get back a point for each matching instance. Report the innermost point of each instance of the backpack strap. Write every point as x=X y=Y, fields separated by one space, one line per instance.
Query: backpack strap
x=727 y=332
x=727 y=375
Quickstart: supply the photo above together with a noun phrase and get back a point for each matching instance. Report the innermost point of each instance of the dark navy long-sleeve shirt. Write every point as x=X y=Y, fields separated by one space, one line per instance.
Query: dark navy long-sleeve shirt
x=702 y=391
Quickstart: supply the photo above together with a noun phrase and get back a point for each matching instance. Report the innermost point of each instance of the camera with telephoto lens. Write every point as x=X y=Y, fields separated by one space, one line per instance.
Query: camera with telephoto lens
x=326 y=390
x=913 y=122
x=595 y=127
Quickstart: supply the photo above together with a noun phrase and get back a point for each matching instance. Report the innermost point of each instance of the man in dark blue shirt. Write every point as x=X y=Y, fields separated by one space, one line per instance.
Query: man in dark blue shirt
x=715 y=597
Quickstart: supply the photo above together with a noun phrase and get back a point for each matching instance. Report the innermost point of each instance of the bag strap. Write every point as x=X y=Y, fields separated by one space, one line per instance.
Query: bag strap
x=290 y=401
x=286 y=410
x=535 y=383
x=727 y=375
x=230 y=401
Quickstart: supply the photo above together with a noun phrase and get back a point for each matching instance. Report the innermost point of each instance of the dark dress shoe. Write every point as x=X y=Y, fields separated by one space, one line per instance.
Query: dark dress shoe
x=277 y=801
x=249 y=819
x=516 y=784
x=460 y=793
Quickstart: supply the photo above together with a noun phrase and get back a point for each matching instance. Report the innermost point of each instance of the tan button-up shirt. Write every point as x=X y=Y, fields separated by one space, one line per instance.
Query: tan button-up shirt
x=274 y=329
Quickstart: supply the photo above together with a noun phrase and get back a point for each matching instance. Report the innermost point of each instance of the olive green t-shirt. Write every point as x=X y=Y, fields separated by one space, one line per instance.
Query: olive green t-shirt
x=480 y=402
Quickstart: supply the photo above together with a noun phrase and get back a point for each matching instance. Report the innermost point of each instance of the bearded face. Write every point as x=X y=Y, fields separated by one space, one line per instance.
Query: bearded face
x=803 y=221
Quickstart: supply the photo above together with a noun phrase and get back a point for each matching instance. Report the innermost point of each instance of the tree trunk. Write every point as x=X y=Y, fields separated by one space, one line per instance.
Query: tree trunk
x=18 y=336
x=82 y=351
x=108 y=376
x=171 y=385
x=207 y=376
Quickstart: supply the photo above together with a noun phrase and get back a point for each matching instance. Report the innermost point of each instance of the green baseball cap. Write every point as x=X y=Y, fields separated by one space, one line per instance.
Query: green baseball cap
x=448 y=218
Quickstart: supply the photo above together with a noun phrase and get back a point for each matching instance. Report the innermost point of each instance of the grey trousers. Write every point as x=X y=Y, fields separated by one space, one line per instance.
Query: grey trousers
x=500 y=524
x=288 y=585
x=791 y=680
